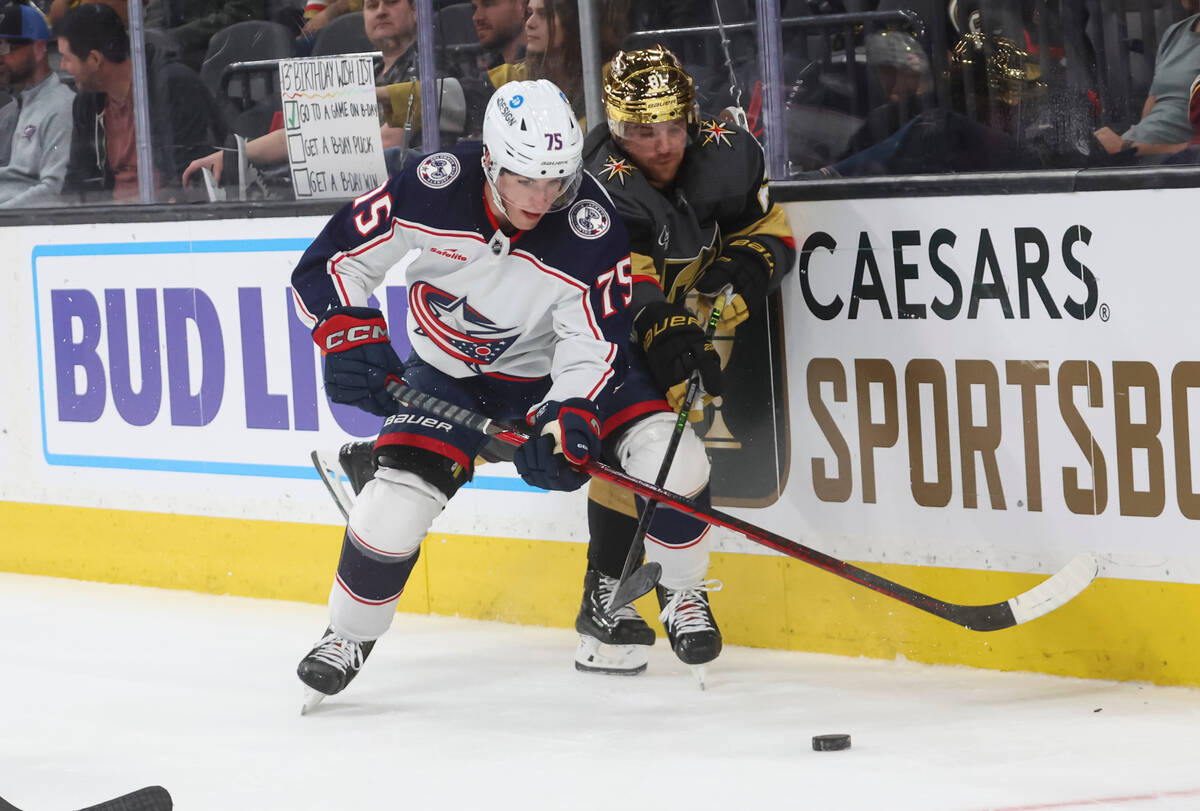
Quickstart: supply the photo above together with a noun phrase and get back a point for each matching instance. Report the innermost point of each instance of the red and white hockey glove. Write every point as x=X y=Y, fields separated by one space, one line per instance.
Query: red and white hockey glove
x=359 y=359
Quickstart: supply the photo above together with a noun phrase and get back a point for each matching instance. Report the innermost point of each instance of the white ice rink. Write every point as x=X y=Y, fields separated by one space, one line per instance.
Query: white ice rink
x=110 y=688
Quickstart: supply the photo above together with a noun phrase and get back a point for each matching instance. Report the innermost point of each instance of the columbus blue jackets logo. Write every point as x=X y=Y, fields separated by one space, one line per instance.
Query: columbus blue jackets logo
x=457 y=328
x=438 y=170
x=589 y=219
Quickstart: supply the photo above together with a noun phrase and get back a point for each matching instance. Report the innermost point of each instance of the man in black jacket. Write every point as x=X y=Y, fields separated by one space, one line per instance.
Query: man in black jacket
x=184 y=122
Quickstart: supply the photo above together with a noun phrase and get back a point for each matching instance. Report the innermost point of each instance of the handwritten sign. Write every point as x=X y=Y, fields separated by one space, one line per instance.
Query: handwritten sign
x=332 y=125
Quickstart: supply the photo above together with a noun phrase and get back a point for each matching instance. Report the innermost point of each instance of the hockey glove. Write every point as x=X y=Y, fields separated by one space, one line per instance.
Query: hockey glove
x=565 y=436
x=675 y=346
x=747 y=264
x=359 y=359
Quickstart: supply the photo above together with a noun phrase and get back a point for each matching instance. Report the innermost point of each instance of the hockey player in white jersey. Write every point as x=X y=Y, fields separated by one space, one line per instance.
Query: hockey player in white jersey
x=518 y=309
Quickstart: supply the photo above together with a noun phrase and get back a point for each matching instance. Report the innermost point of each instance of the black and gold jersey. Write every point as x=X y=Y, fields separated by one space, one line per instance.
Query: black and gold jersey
x=720 y=193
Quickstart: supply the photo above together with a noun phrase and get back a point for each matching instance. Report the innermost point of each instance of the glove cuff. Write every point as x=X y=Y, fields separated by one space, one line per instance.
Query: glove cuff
x=342 y=328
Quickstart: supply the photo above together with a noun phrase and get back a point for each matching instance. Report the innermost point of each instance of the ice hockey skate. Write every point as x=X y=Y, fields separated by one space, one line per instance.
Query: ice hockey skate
x=617 y=643
x=331 y=665
x=690 y=625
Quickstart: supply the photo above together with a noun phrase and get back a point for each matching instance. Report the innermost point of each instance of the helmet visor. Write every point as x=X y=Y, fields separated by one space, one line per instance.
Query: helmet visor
x=536 y=196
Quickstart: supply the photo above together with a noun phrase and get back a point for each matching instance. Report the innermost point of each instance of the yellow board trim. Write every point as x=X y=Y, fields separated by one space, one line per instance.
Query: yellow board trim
x=1117 y=629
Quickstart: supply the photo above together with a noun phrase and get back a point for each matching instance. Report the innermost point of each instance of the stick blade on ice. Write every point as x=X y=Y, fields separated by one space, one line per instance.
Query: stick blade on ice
x=1056 y=591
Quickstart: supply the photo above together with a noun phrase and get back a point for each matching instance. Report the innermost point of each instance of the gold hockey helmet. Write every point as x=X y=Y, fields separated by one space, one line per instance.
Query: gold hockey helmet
x=647 y=86
x=996 y=66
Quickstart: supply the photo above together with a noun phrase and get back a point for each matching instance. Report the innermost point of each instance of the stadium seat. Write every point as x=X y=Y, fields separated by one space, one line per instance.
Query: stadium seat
x=345 y=35
x=252 y=40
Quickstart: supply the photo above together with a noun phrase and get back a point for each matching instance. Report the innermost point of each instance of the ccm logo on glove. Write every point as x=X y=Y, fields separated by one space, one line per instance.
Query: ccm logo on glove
x=359 y=359
x=342 y=331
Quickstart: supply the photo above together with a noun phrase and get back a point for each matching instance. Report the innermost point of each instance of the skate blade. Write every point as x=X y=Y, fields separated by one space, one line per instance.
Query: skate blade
x=594 y=656
x=311 y=699
x=701 y=673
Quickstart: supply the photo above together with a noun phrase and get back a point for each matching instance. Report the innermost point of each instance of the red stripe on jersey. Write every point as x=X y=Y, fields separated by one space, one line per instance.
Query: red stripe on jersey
x=487 y=209
x=636 y=410
x=578 y=285
x=648 y=279
x=612 y=353
x=424 y=229
x=425 y=443
x=789 y=241
x=305 y=314
x=366 y=246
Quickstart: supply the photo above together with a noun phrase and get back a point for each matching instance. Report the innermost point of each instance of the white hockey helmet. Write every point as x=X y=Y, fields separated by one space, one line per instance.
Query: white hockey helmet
x=529 y=129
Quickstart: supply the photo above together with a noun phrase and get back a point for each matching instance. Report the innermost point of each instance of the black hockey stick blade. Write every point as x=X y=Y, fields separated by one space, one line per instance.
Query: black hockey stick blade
x=151 y=798
x=1052 y=593
x=640 y=581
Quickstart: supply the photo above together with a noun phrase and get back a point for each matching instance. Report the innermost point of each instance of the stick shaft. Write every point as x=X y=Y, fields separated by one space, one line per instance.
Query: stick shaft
x=636 y=549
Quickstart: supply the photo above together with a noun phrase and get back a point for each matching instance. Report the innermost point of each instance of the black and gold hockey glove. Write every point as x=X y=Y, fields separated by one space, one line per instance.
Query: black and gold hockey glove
x=673 y=340
x=748 y=265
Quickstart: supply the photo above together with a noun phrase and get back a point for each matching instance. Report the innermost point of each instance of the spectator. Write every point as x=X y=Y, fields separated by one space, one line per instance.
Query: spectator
x=551 y=52
x=184 y=123
x=391 y=26
x=500 y=26
x=318 y=15
x=995 y=100
x=1164 y=127
x=60 y=7
x=35 y=127
x=1191 y=153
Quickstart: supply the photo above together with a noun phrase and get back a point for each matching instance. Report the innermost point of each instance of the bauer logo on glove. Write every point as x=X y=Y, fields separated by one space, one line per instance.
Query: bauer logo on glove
x=669 y=322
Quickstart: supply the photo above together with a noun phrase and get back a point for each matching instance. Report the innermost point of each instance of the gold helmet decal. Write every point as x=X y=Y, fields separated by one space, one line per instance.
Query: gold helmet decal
x=647 y=86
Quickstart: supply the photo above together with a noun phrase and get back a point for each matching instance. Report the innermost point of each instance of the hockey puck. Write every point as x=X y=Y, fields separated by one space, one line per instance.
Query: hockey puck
x=830 y=743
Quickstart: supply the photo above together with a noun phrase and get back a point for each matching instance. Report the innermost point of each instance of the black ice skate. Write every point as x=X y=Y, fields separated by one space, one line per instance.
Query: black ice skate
x=330 y=666
x=690 y=625
x=615 y=644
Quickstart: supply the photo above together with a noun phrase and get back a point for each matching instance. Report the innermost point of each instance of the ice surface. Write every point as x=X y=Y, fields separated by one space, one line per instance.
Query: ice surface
x=110 y=688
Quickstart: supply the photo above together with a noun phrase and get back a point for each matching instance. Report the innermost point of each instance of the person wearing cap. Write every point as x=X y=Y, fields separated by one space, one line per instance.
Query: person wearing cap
x=35 y=127
x=693 y=193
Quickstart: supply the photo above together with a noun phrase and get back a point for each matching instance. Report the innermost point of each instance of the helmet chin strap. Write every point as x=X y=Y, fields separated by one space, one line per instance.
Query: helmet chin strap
x=496 y=200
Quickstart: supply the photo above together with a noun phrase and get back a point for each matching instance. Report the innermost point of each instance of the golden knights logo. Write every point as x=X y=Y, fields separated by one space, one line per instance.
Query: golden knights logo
x=457 y=328
x=616 y=168
x=714 y=132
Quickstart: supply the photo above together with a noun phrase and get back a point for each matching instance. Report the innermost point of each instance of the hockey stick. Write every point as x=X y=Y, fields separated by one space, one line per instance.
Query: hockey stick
x=151 y=798
x=1043 y=598
x=328 y=472
x=634 y=584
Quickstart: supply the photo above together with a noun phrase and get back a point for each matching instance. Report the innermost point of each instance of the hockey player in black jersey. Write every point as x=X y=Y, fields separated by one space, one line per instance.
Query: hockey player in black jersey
x=693 y=194
x=518 y=308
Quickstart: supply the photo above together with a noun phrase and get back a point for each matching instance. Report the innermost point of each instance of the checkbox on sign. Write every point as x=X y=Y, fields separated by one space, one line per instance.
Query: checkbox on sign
x=291 y=115
x=295 y=142
x=300 y=184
